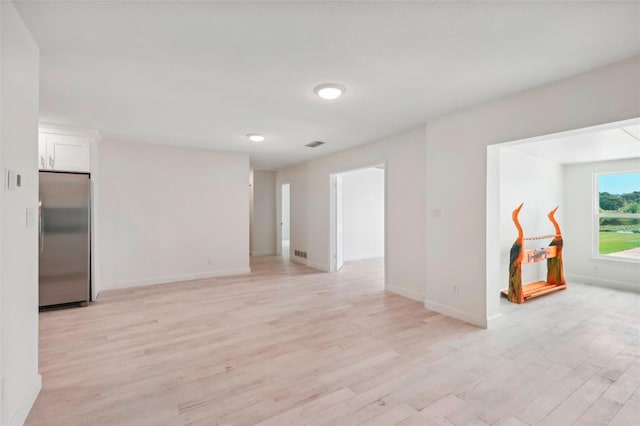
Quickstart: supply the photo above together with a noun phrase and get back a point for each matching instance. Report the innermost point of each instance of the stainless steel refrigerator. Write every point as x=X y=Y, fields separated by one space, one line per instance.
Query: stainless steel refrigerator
x=65 y=238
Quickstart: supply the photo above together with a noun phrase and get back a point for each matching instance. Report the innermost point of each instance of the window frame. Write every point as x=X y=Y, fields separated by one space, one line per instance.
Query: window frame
x=597 y=215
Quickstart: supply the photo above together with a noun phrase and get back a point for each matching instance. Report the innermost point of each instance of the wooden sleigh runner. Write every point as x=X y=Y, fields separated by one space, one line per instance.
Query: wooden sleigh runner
x=517 y=292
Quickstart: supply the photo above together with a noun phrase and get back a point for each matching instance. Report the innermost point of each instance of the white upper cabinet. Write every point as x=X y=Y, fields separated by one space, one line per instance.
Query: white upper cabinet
x=64 y=152
x=42 y=151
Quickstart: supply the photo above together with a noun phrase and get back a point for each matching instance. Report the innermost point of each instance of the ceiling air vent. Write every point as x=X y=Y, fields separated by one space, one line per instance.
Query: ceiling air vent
x=314 y=144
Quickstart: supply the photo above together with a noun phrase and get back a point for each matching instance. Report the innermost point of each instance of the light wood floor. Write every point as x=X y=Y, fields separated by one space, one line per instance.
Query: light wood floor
x=287 y=345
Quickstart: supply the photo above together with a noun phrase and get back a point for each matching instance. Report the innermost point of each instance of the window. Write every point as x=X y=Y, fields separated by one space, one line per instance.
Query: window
x=618 y=215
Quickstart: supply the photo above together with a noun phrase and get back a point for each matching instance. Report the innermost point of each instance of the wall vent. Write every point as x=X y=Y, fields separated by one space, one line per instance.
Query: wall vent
x=314 y=144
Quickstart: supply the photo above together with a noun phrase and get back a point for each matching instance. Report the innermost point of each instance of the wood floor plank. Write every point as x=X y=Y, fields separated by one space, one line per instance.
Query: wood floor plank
x=628 y=415
x=575 y=405
x=287 y=344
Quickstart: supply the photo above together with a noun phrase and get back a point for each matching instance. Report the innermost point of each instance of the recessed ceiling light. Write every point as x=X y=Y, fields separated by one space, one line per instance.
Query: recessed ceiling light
x=255 y=137
x=329 y=91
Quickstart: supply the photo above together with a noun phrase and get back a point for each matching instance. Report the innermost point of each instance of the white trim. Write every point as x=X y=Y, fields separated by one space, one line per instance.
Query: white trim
x=319 y=266
x=410 y=294
x=456 y=313
x=177 y=278
x=60 y=129
x=333 y=225
x=612 y=258
x=618 y=285
x=94 y=178
x=299 y=260
x=263 y=253
x=20 y=417
x=493 y=319
x=569 y=133
x=364 y=257
x=279 y=186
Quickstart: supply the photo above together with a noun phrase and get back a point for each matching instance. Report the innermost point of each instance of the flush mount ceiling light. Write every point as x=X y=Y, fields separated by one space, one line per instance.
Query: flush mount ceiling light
x=255 y=137
x=329 y=91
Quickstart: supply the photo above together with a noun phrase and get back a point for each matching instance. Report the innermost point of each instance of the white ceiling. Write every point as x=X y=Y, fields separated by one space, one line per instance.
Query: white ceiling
x=612 y=144
x=205 y=74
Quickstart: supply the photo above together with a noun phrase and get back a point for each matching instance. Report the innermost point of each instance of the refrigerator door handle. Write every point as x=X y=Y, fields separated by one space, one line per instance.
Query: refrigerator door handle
x=41 y=226
x=51 y=162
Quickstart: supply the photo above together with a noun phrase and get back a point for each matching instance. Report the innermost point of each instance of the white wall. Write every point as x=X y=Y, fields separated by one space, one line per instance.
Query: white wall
x=459 y=210
x=286 y=209
x=536 y=182
x=171 y=214
x=461 y=215
x=310 y=206
x=19 y=70
x=363 y=214
x=580 y=265
x=263 y=231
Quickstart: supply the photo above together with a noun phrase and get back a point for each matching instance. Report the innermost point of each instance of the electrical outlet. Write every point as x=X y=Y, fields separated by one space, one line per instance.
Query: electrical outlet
x=456 y=291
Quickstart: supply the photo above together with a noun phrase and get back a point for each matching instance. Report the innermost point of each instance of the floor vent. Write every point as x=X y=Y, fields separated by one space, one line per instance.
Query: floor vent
x=314 y=144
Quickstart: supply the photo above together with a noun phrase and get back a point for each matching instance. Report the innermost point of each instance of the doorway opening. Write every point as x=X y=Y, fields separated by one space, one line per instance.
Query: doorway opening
x=358 y=207
x=285 y=220
x=564 y=170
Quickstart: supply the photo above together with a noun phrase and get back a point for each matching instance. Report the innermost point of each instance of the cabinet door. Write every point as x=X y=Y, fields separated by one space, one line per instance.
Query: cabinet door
x=68 y=153
x=43 y=164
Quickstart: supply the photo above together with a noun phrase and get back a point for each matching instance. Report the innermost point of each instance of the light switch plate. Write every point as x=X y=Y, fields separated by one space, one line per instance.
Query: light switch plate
x=14 y=179
x=31 y=217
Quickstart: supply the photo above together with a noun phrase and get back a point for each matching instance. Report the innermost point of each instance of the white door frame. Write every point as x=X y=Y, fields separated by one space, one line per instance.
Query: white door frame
x=279 y=218
x=332 y=214
x=338 y=240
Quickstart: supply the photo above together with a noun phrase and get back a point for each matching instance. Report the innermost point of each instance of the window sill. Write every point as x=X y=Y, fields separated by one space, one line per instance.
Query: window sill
x=620 y=259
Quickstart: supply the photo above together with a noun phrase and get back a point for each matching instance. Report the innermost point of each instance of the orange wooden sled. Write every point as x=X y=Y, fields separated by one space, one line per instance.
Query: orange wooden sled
x=518 y=293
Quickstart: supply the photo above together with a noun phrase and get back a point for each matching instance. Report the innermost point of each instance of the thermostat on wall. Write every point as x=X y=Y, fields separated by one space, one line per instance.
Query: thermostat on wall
x=14 y=179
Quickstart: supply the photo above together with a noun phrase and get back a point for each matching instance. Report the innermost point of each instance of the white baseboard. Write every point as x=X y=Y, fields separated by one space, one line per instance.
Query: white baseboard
x=456 y=313
x=492 y=320
x=27 y=403
x=618 y=285
x=263 y=253
x=177 y=278
x=363 y=257
x=298 y=260
x=410 y=294
x=319 y=266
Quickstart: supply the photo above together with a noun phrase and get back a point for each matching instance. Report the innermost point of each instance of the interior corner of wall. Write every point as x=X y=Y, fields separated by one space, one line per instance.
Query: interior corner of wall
x=317 y=265
x=404 y=292
x=459 y=314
